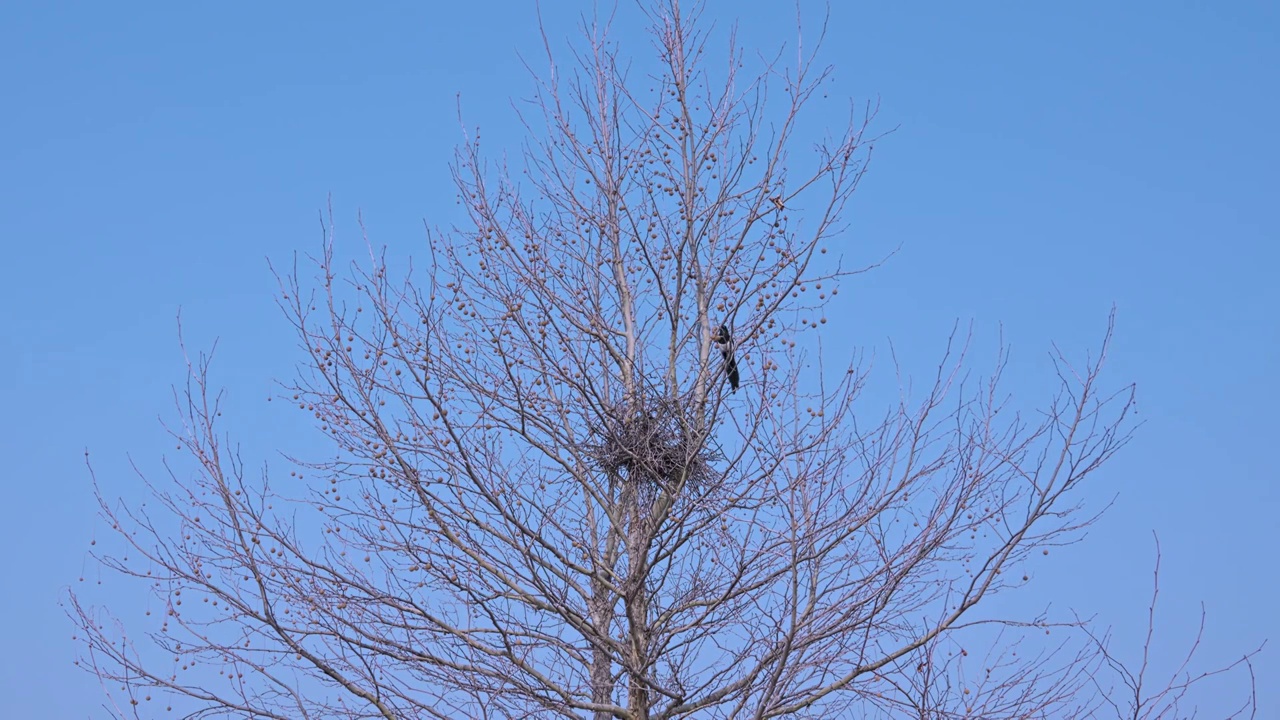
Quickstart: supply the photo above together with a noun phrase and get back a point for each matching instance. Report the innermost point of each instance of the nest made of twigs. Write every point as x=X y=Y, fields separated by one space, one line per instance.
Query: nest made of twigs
x=647 y=442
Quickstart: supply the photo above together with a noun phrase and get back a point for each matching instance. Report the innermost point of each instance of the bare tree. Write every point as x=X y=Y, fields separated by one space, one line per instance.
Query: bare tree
x=1141 y=698
x=545 y=499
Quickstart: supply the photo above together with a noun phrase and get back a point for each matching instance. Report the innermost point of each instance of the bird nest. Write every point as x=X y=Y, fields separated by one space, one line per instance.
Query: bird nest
x=647 y=442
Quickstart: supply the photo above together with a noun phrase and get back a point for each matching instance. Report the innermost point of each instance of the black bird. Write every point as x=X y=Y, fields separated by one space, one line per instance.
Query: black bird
x=726 y=351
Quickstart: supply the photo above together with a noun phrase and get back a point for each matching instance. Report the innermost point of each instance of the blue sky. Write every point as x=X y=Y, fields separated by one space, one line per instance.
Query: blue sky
x=1049 y=160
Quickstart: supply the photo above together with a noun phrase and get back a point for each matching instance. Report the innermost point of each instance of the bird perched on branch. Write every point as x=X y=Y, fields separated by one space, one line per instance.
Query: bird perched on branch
x=725 y=342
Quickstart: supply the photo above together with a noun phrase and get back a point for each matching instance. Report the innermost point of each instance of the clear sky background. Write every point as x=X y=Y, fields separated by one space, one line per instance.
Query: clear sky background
x=1051 y=159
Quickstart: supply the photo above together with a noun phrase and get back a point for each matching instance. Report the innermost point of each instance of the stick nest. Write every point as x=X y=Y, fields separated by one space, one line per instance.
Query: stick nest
x=647 y=443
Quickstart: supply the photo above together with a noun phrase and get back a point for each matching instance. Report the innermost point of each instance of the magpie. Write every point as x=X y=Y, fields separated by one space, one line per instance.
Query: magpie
x=725 y=342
